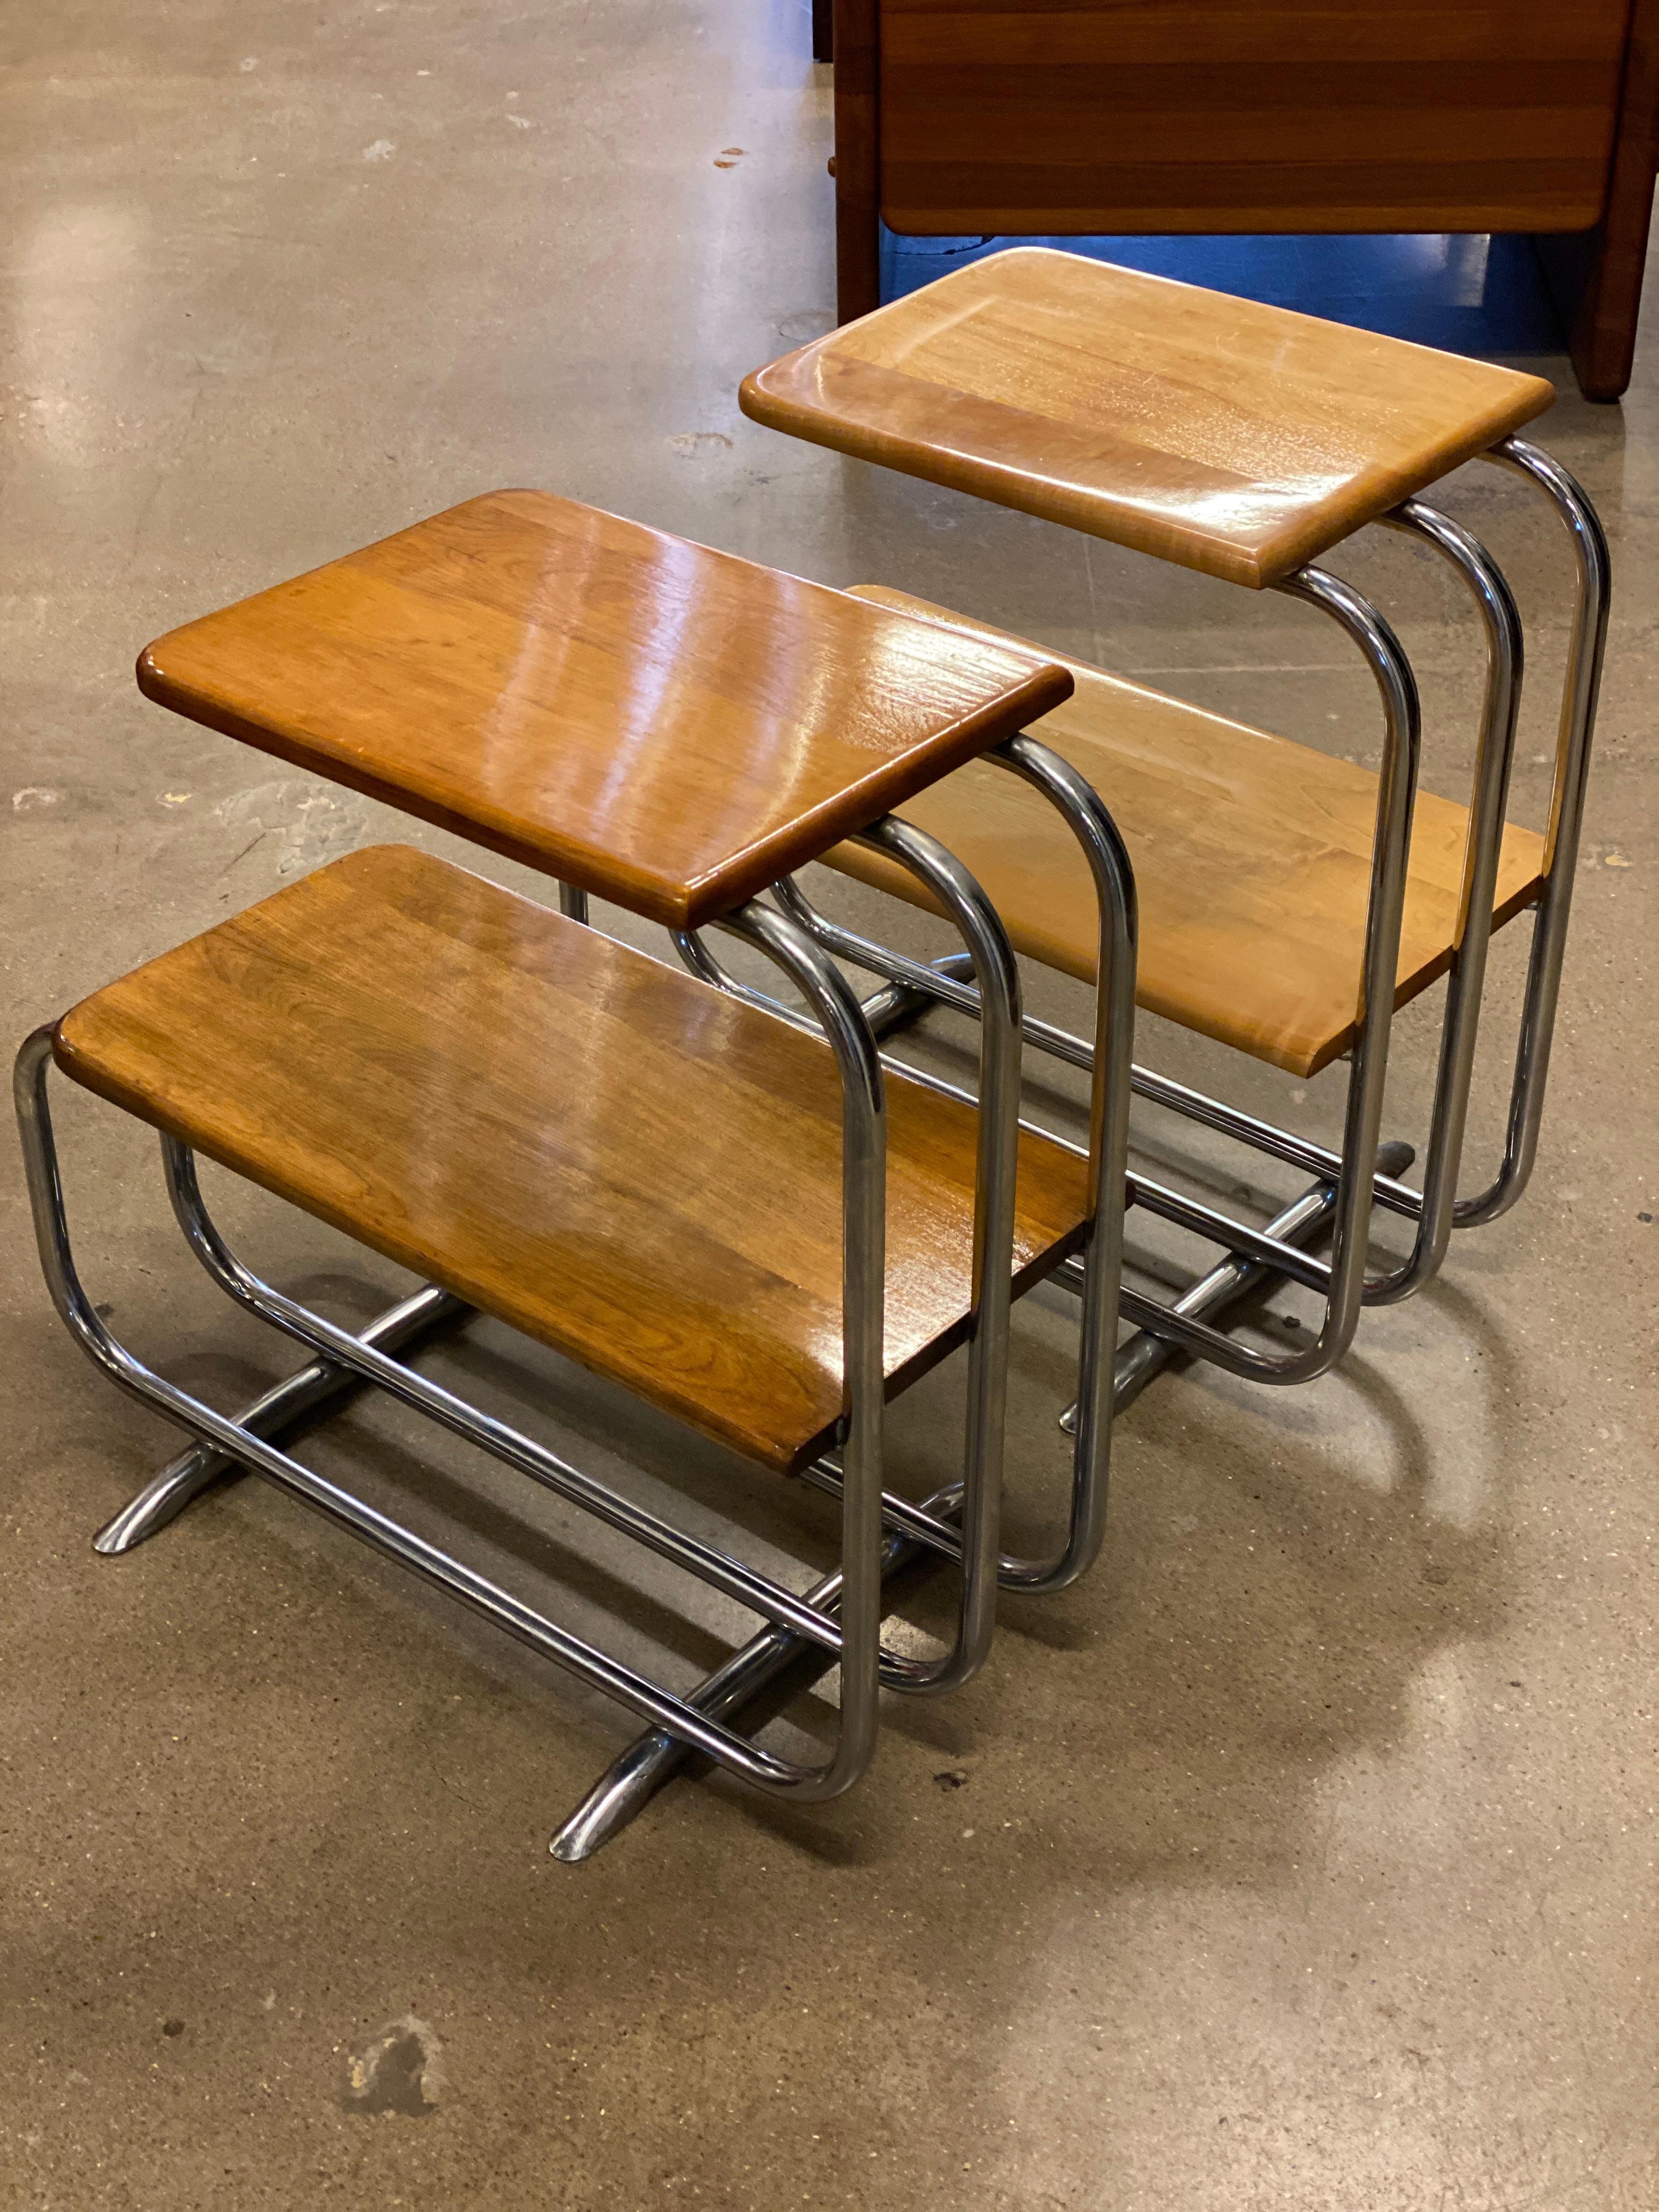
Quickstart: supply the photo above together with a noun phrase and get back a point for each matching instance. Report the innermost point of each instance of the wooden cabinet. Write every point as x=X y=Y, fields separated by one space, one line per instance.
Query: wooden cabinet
x=1072 y=118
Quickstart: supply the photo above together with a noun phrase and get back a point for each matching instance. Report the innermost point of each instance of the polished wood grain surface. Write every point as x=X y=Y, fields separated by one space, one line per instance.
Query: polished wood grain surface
x=1108 y=115
x=667 y=726
x=617 y=1159
x=1210 y=431
x=1252 y=861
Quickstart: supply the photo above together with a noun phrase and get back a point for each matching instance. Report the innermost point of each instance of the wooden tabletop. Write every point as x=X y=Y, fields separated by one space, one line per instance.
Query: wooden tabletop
x=669 y=727
x=622 y=1162
x=1226 y=436
x=1252 y=858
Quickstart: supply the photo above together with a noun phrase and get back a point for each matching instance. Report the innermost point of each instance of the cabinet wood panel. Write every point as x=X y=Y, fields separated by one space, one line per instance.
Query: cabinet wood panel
x=1246 y=115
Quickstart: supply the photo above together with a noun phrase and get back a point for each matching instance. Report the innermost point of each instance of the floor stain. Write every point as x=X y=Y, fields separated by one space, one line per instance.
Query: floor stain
x=313 y=822
x=400 y=2070
x=694 y=444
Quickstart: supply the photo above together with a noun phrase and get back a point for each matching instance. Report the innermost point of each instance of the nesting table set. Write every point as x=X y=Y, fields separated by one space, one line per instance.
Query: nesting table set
x=743 y=1208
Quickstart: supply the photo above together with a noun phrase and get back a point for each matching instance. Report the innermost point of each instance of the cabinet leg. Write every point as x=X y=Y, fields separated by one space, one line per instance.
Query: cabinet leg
x=1595 y=276
x=1594 y=279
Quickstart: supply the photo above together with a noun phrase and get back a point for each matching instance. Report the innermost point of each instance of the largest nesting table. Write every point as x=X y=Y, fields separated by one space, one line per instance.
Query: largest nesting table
x=744 y=1219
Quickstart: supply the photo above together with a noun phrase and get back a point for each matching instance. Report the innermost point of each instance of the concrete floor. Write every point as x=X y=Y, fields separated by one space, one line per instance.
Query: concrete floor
x=1303 y=1854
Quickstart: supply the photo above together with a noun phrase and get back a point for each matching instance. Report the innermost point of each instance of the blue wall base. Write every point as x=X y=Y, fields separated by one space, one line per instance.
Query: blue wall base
x=1464 y=294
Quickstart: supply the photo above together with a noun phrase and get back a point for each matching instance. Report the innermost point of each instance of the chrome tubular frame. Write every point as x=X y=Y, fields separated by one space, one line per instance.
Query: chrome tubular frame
x=1111 y=1058
x=837 y=1621
x=1081 y=809
x=455 y=1414
x=1437 y=1209
x=849 y=1637
x=1108 y=1378
x=1581 y=690
x=998 y=978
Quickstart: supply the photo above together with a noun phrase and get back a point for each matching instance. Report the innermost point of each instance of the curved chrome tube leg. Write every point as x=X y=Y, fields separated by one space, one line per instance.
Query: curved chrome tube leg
x=1494 y=758
x=1362 y=1115
x=630 y=1782
x=1362 y=1119
x=1142 y=1356
x=991 y=959
x=864 y=1276
x=998 y=980
x=184 y=1479
x=1580 y=694
x=1080 y=805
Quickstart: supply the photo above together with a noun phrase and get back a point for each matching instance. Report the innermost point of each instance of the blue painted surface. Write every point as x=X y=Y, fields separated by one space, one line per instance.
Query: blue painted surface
x=1465 y=294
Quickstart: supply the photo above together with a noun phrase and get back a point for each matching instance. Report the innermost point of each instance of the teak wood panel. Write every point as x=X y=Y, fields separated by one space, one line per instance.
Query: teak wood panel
x=1246 y=115
x=601 y=1152
x=1228 y=436
x=1252 y=861
x=666 y=725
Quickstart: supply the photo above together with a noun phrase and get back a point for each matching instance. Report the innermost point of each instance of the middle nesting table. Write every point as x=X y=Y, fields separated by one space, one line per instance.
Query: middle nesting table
x=596 y=1147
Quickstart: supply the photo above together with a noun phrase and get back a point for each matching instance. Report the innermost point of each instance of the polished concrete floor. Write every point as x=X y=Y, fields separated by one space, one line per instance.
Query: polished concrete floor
x=1301 y=1858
